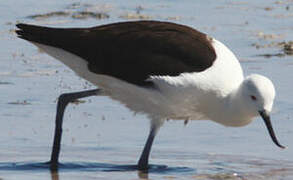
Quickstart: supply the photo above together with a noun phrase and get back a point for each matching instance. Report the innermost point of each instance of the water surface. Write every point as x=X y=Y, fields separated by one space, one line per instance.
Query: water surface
x=102 y=139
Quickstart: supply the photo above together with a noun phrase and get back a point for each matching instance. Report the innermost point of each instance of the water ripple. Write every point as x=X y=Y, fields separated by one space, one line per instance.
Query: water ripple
x=90 y=166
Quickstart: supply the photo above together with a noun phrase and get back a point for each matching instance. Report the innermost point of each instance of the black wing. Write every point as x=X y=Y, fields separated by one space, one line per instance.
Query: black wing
x=131 y=51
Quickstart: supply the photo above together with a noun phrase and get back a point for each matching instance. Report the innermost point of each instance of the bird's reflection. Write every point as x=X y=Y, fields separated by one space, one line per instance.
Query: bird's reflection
x=143 y=175
x=97 y=168
x=54 y=174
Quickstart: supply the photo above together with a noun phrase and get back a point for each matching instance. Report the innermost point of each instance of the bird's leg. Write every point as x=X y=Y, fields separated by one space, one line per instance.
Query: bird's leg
x=63 y=101
x=144 y=158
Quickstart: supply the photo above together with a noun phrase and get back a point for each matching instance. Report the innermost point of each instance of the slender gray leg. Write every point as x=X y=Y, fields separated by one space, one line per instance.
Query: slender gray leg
x=144 y=158
x=63 y=101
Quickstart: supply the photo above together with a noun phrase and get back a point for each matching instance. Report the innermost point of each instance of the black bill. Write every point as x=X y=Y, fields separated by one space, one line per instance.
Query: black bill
x=268 y=123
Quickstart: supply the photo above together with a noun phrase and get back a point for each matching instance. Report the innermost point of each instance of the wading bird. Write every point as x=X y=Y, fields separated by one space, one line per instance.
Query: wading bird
x=161 y=69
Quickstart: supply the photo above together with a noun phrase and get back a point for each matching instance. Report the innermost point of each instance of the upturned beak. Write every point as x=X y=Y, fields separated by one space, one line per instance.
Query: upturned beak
x=265 y=115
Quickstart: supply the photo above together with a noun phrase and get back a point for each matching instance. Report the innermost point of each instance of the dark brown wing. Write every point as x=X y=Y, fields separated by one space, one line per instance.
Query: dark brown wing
x=131 y=51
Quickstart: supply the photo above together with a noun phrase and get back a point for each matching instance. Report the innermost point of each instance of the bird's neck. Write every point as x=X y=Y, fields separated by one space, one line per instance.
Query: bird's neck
x=237 y=109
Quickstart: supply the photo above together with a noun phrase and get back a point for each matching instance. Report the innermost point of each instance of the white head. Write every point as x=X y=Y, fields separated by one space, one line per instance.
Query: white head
x=258 y=94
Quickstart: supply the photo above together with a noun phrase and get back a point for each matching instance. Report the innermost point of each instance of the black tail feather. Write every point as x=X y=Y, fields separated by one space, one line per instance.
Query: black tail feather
x=43 y=35
x=34 y=33
x=73 y=40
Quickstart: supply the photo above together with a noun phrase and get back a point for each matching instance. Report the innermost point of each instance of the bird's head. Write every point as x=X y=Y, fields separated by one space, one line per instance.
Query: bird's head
x=259 y=95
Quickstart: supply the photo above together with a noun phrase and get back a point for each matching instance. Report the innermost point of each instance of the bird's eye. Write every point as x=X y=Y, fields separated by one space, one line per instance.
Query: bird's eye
x=253 y=98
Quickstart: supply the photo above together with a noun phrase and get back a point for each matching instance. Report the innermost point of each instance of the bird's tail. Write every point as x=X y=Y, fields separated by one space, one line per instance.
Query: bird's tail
x=68 y=39
x=42 y=35
x=56 y=37
x=65 y=44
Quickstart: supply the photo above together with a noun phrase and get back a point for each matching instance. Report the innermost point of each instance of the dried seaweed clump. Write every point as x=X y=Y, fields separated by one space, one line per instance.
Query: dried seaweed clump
x=74 y=15
x=287 y=47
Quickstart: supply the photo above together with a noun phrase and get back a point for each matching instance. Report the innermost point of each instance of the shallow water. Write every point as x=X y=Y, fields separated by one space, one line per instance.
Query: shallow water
x=102 y=139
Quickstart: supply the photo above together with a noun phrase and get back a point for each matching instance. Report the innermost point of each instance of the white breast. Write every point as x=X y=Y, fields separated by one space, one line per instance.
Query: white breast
x=201 y=95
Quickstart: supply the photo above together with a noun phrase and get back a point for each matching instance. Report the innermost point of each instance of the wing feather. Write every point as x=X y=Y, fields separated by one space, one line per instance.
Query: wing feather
x=131 y=51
